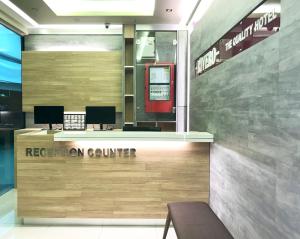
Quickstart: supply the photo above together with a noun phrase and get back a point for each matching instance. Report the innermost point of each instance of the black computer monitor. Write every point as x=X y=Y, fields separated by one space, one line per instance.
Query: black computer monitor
x=141 y=128
x=49 y=115
x=100 y=115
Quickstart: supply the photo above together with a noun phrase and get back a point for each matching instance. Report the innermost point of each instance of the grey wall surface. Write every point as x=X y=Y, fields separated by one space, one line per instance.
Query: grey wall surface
x=251 y=103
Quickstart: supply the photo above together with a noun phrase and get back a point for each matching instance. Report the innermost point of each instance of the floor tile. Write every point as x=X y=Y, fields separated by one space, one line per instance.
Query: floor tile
x=8 y=212
x=129 y=233
x=171 y=233
x=22 y=232
x=74 y=232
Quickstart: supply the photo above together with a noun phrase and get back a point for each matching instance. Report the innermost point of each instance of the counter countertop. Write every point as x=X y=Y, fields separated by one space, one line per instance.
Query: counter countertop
x=133 y=136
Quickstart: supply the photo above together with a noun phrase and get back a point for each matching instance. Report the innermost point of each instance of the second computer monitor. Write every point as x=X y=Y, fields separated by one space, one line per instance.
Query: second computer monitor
x=100 y=114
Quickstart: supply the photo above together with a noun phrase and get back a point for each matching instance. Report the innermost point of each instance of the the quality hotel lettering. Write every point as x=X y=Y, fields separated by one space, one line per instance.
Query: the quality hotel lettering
x=218 y=52
x=251 y=29
x=81 y=152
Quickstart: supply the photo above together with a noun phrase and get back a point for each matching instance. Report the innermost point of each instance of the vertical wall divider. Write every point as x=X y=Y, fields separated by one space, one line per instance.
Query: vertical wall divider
x=129 y=115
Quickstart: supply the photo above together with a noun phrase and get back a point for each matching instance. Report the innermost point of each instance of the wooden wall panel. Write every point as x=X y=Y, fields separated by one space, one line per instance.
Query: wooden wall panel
x=129 y=31
x=140 y=187
x=72 y=79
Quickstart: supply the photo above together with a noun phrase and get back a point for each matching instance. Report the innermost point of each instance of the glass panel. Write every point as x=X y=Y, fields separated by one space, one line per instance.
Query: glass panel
x=6 y=161
x=10 y=43
x=159 y=75
x=159 y=92
x=10 y=72
x=11 y=116
x=154 y=47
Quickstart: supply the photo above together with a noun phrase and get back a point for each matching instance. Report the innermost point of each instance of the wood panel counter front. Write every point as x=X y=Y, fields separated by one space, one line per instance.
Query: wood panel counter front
x=107 y=179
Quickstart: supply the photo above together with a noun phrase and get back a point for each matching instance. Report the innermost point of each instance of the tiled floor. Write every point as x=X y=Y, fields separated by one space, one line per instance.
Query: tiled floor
x=11 y=227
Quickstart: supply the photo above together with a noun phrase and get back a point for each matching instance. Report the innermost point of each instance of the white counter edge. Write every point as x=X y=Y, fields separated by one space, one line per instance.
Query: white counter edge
x=130 y=136
x=203 y=140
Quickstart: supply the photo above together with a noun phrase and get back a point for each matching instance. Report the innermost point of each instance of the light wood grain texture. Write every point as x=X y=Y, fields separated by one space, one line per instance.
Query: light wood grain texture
x=129 y=109
x=17 y=132
x=129 y=61
x=72 y=79
x=129 y=52
x=140 y=187
x=129 y=81
x=129 y=31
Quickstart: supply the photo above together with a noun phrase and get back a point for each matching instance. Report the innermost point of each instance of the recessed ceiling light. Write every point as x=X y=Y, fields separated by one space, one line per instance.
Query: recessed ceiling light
x=102 y=7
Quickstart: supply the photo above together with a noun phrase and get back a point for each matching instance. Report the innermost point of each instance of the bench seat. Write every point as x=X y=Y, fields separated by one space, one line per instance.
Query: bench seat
x=195 y=220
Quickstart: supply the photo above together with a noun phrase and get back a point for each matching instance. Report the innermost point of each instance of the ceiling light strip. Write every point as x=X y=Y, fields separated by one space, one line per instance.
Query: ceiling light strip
x=102 y=8
x=19 y=12
x=200 y=11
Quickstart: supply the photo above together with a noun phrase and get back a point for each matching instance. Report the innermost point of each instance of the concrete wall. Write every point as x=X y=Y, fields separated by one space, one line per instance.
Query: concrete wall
x=252 y=105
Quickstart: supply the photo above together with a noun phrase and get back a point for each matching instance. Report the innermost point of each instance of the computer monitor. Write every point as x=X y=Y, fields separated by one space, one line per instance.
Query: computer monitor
x=141 y=128
x=49 y=115
x=100 y=115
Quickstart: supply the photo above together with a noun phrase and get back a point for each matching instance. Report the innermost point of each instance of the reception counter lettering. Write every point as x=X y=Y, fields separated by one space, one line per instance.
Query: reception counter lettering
x=81 y=152
x=109 y=175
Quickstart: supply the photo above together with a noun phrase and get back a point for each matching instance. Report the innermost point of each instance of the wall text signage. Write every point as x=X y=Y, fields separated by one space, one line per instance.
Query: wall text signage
x=81 y=152
x=261 y=23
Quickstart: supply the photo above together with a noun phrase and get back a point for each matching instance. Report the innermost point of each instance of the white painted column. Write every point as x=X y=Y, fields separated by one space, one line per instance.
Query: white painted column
x=181 y=81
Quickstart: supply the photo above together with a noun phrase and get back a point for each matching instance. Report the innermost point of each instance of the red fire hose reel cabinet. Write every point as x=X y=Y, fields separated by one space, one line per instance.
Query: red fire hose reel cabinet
x=159 y=87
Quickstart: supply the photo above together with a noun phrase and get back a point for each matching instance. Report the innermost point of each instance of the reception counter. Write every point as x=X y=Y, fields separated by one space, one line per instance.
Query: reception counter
x=109 y=174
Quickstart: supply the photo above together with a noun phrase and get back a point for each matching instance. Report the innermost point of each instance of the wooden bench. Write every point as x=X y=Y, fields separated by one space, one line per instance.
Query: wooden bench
x=195 y=220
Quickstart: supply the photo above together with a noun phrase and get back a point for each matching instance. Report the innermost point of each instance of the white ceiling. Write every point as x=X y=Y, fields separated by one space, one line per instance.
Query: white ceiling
x=42 y=14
